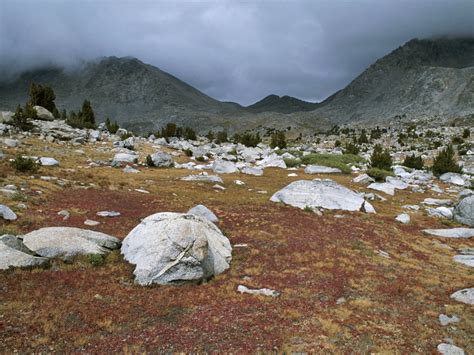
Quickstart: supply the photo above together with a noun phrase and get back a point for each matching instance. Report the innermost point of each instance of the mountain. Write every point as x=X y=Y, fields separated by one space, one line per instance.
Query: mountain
x=283 y=104
x=431 y=79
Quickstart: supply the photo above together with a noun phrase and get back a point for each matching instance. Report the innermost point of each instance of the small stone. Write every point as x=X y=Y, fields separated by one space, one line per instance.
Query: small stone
x=89 y=222
x=262 y=291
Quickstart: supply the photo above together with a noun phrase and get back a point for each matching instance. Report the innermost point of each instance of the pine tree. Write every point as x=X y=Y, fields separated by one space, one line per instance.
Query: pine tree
x=380 y=158
x=445 y=162
x=414 y=162
x=86 y=115
x=278 y=140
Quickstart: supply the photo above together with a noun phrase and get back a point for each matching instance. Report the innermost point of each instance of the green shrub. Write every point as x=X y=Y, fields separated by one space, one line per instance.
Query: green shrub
x=308 y=209
x=380 y=159
x=292 y=163
x=379 y=174
x=149 y=161
x=43 y=96
x=21 y=120
x=96 y=259
x=84 y=118
x=24 y=165
x=221 y=137
x=188 y=152
x=351 y=148
x=445 y=162
x=201 y=159
x=248 y=139
x=466 y=133
x=112 y=127
x=457 y=140
x=413 y=162
x=278 y=140
x=363 y=138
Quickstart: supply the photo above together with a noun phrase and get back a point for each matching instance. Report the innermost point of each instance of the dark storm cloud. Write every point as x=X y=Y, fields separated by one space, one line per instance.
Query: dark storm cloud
x=231 y=50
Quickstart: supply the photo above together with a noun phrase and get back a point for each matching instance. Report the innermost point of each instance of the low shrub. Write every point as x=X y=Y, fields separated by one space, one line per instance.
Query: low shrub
x=379 y=174
x=332 y=160
x=188 y=152
x=445 y=162
x=414 y=162
x=292 y=163
x=96 y=259
x=25 y=165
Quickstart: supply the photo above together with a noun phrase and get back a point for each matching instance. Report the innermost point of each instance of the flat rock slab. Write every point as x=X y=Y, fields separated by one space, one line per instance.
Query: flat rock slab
x=66 y=242
x=451 y=233
x=174 y=248
x=467 y=260
x=384 y=187
x=465 y=296
x=317 y=193
x=11 y=257
x=203 y=178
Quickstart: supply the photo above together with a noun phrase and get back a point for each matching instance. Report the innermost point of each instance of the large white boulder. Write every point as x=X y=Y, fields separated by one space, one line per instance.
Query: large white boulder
x=11 y=257
x=124 y=158
x=172 y=248
x=66 y=242
x=325 y=193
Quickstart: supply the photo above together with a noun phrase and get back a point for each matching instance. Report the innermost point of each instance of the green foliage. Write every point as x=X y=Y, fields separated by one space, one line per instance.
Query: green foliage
x=210 y=136
x=363 y=138
x=308 y=209
x=172 y=130
x=380 y=158
x=457 y=140
x=351 y=148
x=466 y=133
x=332 y=160
x=445 y=162
x=188 y=152
x=278 y=140
x=189 y=134
x=248 y=139
x=43 y=96
x=30 y=112
x=84 y=118
x=24 y=165
x=21 y=120
x=221 y=137
x=64 y=114
x=379 y=174
x=292 y=163
x=111 y=127
x=149 y=161
x=337 y=143
x=201 y=159
x=414 y=162
x=96 y=259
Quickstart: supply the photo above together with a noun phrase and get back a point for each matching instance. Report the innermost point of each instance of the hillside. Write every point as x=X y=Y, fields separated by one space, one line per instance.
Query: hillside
x=421 y=79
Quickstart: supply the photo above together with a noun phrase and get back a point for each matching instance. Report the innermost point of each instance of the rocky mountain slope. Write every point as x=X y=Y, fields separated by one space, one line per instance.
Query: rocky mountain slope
x=283 y=104
x=421 y=79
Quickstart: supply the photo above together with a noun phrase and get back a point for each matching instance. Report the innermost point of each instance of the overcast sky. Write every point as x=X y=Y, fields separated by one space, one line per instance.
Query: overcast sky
x=231 y=50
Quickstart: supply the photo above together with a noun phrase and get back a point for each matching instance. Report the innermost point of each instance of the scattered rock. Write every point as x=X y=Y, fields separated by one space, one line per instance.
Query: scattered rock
x=437 y=202
x=384 y=187
x=203 y=178
x=43 y=114
x=403 y=218
x=363 y=179
x=445 y=320
x=467 y=260
x=162 y=160
x=172 y=248
x=124 y=158
x=91 y=223
x=465 y=296
x=252 y=171
x=11 y=257
x=11 y=143
x=7 y=214
x=261 y=292
x=443 y=212
x=224 y=167
x=129 y=170
x=48 y=162
x=108 y=214
x=453 y=178
x=65 y=214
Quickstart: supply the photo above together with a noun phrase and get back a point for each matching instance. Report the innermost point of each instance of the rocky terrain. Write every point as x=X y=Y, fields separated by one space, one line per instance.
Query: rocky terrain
x=429 y=79
x=119 y=243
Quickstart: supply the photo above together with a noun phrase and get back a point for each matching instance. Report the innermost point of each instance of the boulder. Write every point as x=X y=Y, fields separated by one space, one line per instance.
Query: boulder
x=66 y=242
x=43 y=114
x=272 y=161
x=317 y=193
x=443 y=212
x=224 y=167
x=464 y=211
x=204 y=212
x=11 y=143
x=437 y=202
x=252 y=171
x=44 y=161
x=7 y=214
x=162 y=160
x=453 y=179
x=465 y=296
x=169 y=248
x=6 y=116
x=319 y=169
x=403 y=218
x=260 y=291
x=384 y=187
x=467 y=260
x=445 y=320
x=124 y=158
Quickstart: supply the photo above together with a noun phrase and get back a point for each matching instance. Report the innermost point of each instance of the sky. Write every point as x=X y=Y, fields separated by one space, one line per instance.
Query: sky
x=236 y=51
